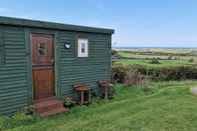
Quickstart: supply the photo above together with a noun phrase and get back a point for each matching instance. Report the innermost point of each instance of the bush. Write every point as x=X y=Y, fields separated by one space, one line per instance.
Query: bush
x=2 y=123
x=154 y=61
x=16 y=120
x=170 y=57
x=191 y=60
x=28 y=110
x=122 y=73
x=134 y=77
x=21 y=119
x=69 y=102
x=114 y=52
x=119 y=73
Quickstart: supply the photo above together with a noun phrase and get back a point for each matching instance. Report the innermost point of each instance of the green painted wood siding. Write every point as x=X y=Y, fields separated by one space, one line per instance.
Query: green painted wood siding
x=15 y=73
x=88 y=70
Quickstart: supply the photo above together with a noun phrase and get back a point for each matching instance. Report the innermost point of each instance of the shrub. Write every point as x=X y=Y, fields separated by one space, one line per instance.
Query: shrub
x=170 y=57
x=126 y=73
x=28 y=110
x=119 y=73
x=16 y=120
x=2 y=123
x=69 y=102
x=191 y=60
x=21 y=118
x=134 y=77
x=154 y=61
x=114 y=52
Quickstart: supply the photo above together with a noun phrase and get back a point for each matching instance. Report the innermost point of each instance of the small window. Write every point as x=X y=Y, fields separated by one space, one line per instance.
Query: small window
x=42 y=49
x=82 y=47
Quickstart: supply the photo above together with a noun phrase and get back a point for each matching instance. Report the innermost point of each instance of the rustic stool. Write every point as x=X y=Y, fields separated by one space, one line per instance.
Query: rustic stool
x=105 y=86
x=82 y=89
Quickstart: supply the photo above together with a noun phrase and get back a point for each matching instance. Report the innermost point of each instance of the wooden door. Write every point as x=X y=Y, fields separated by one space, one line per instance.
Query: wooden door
x=42 y=65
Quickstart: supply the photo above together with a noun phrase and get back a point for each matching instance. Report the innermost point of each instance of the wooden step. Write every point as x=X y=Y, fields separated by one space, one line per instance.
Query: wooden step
x=53 y=112
x=49 y=106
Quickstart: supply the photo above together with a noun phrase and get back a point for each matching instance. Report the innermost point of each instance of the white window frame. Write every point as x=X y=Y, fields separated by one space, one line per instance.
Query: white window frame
x=80 y=42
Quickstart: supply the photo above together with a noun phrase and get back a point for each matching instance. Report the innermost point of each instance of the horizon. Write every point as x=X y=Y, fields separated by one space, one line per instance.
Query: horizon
x=130 y=47
x=133 y=46
x=143 y=23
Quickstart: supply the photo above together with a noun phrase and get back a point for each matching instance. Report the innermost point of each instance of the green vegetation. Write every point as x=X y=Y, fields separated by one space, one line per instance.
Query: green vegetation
x=138 y=105
x=145 y=59
x=163 y=63
x=120 y=72
x=158 y=64
x=184 y=56
x=165 y=106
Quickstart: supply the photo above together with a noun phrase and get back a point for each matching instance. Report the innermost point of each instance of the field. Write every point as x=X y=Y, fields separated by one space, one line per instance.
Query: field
x=165 y=106
x=163 y=63
x=166 y=57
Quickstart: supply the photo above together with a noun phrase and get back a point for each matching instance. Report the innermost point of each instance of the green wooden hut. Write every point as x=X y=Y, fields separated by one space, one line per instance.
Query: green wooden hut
x=41 y=60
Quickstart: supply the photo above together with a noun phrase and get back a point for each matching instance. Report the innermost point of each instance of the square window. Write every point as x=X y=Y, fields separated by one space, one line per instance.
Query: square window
x=82 y=47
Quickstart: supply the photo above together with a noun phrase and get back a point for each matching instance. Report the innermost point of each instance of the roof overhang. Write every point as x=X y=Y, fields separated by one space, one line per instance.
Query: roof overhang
x=51 y=25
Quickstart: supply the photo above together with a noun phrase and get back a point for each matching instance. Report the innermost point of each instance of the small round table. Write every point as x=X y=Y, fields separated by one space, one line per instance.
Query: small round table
x=82 y=89
x=105 y=87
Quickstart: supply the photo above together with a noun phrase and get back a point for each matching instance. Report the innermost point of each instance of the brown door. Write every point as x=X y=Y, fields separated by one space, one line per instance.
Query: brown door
x=42 y=65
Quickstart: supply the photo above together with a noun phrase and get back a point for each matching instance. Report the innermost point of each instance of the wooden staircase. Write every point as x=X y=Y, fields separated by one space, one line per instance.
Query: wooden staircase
x=49 y=106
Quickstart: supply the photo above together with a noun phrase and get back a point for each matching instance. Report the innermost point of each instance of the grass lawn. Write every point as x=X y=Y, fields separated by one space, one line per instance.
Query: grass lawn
x=163 y=63
x=167 y=106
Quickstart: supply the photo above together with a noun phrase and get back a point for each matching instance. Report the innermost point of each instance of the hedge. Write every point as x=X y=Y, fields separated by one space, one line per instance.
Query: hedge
x=159 y=73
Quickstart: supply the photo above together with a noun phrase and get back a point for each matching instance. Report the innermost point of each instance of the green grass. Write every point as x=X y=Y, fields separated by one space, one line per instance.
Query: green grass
x=167 y=106
x=163 y=63
x=133 y=55
x=141 y=59
x=164 y=55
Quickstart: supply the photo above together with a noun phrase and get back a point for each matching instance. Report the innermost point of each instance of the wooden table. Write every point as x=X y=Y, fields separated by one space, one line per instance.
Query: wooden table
x=105 y=86
x=82 y=89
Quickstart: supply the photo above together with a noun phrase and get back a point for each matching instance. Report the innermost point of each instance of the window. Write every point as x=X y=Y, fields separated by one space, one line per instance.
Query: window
x=42 y=49
x=82 y=47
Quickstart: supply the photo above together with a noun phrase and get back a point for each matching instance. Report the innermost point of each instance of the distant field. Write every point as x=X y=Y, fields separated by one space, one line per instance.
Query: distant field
x=163 y=63
x=160 y=55
x=166 y=57
x=165 y=50
x=140 y=56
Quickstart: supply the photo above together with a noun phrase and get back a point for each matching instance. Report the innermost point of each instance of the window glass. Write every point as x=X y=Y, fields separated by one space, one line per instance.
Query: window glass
x=42 y=49
x=82 y=47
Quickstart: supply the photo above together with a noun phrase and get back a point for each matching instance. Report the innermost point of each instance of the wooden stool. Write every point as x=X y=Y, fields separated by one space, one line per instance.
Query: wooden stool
x=82 y=89
x=105 y=87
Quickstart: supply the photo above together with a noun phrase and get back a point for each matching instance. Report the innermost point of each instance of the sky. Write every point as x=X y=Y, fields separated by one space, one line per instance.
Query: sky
x=137 y=23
